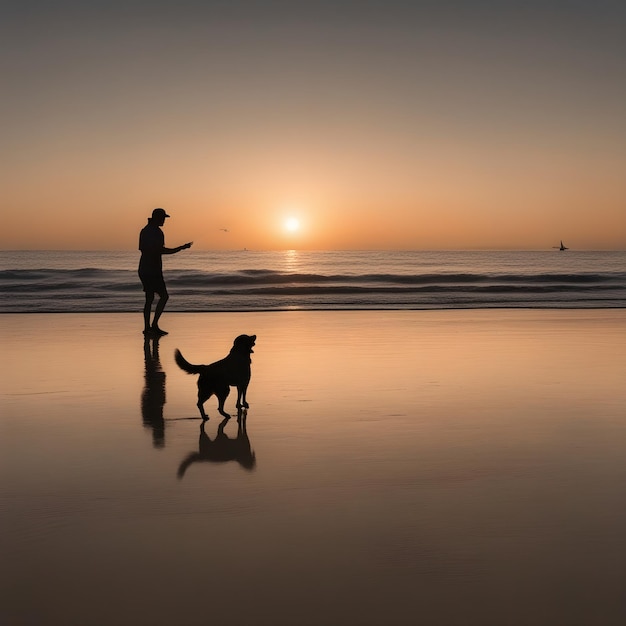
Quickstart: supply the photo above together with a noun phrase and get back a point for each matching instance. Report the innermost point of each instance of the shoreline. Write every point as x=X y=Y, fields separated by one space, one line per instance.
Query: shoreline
x=331 y=310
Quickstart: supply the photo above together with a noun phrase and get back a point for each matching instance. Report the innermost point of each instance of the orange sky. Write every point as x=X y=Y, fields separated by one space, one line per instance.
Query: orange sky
x=378 y=125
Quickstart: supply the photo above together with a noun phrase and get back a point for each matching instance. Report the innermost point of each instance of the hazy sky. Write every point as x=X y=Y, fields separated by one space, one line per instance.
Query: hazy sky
x=412 y=125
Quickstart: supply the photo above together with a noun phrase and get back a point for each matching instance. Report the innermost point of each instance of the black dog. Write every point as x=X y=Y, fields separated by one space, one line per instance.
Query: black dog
x=218 y=377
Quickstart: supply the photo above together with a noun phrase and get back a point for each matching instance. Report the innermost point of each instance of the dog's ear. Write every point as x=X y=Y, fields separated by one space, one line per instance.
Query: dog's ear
x=244 y=342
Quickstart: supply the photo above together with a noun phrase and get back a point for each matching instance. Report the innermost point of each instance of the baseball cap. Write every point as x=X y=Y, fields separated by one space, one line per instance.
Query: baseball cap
x=159 y=213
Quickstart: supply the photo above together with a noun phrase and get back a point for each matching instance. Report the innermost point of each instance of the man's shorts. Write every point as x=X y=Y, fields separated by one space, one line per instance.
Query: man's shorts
x=153 y=283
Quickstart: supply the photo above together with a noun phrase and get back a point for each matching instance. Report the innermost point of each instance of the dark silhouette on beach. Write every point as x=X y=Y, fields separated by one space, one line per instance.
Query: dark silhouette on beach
x=217 y=378
x=152 y=246
x=223 y=449
x=153 y=394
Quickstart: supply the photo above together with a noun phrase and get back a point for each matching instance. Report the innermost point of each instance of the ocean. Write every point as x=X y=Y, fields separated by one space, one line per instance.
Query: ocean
x=199 y=281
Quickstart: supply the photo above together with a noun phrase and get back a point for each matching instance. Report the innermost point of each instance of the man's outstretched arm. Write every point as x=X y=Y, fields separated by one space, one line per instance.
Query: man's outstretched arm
x=177 y=249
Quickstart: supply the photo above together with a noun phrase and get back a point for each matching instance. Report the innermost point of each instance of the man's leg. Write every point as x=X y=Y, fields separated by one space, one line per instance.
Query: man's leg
x=163 y=298
x=146 y=311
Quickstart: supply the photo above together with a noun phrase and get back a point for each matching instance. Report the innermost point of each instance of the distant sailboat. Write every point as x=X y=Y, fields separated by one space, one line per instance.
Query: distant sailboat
x=561 y=247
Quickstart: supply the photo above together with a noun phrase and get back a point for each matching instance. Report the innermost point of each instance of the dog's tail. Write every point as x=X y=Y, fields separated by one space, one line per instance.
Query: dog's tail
x=185 y=365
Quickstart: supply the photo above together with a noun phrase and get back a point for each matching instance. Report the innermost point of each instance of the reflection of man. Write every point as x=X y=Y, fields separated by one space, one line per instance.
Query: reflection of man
x=153 y=395
x=152 y=246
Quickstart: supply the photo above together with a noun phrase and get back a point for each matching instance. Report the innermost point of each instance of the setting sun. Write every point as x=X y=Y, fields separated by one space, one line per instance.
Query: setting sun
x=292 y=224
x=304 y=149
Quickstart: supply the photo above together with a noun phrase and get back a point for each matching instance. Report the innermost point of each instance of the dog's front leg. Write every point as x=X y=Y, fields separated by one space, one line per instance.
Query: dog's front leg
x=241 y=397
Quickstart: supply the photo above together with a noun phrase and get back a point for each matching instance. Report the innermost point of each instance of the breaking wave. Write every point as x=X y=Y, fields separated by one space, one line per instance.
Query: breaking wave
x=92 y=289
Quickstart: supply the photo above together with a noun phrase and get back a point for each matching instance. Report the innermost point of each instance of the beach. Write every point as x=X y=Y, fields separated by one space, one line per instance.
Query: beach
x=452 y=467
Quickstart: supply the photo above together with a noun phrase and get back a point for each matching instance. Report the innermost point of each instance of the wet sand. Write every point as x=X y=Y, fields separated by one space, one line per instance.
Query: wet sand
x=405 y=467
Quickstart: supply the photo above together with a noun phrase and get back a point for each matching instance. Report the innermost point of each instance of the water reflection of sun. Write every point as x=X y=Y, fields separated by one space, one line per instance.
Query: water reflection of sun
x=292 y=261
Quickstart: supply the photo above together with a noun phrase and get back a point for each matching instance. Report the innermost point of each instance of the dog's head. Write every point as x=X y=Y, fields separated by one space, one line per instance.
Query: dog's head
x=244 y=344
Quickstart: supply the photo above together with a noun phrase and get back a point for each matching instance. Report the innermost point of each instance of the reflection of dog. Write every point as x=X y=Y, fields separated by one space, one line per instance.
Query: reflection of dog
x=218 y=377
x=223 y=449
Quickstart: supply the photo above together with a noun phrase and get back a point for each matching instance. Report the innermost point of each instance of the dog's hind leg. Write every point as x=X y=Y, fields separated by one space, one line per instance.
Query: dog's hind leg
x=204 y=416
x=222 y=394
x=202 y=398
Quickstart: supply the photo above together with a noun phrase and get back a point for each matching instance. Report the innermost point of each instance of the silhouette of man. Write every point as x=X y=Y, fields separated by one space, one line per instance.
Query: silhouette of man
x=152 y=246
